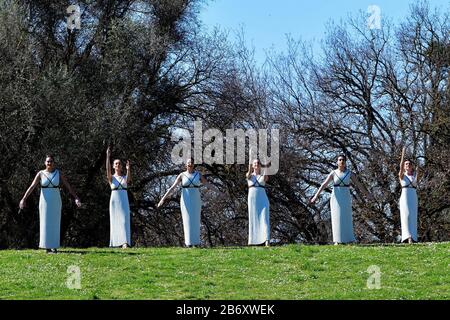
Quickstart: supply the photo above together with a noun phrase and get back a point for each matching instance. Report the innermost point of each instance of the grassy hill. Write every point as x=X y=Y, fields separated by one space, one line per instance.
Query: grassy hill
x=419 y=271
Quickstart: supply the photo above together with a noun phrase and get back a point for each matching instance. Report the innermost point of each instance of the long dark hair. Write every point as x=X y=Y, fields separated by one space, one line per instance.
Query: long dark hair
x=184 y=165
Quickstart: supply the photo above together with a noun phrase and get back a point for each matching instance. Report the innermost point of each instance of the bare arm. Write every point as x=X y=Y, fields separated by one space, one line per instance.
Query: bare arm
x=249 y=172
x=108 y=165
x=266 y=177
x=401 y=171
x=70 y=189
x=418 y=174
x=177 y=181
x=323 y=186
x=30 y=189
x=128 y=172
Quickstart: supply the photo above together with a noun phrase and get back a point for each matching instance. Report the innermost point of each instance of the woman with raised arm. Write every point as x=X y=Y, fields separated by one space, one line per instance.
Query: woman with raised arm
x=258 y=205
x=50 y=180
x=341 y=201
x=119 y=208
x=408 y=199
x=190 y=202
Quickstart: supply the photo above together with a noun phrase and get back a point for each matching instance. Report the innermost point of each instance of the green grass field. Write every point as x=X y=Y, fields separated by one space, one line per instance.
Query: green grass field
x=292 y=272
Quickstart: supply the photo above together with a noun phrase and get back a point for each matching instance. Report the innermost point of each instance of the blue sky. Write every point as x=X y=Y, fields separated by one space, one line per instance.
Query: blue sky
x=267 y=22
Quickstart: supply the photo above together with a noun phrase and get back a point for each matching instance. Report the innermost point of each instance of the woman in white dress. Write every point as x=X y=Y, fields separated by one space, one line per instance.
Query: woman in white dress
x=50 y=180
x=341 y=201
x=119 y=208
x=258 y=205
x=408 y=199
x=190 y=202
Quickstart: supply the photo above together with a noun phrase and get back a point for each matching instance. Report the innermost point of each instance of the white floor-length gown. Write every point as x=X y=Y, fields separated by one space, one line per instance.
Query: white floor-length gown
x=408 y=207
x=49 y=210
x=258 y=211
x=191 y=205
x=341 y=208
x=119 y=213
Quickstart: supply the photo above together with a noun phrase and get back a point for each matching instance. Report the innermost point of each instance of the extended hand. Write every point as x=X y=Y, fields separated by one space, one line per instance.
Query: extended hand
x=22 y=204
x=128 y=165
